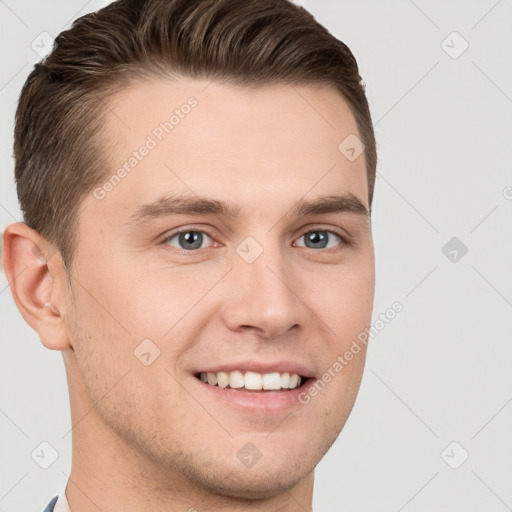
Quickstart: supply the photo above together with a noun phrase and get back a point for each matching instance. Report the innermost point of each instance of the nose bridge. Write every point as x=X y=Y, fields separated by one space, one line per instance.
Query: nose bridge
x=262 y=295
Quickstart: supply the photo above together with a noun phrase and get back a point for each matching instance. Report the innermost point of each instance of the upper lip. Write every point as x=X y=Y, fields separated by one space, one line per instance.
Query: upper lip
x=281 y=366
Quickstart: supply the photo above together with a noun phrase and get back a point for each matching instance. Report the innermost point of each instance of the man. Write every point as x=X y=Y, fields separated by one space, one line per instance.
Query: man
x=196 y=179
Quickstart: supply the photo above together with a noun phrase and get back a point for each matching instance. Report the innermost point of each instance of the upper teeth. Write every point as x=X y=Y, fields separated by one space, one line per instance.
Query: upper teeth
x=252 y=380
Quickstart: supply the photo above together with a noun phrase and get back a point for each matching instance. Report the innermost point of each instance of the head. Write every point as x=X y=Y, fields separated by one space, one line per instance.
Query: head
x=183 y=174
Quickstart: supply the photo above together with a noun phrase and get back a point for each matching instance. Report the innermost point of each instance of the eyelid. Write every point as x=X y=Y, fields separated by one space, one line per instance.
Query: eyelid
x=164 y=239
x=184 y=229
x=346 y=239
x=340 y=243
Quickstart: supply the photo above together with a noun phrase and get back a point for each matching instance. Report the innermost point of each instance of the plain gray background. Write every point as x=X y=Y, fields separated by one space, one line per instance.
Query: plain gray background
x=438 y=383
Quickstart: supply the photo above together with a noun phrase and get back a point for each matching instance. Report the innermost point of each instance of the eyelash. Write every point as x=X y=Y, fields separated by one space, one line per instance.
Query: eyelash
x=344 y=239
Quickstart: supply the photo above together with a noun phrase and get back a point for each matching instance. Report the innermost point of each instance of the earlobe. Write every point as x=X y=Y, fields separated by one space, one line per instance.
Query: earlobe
x=37 y=292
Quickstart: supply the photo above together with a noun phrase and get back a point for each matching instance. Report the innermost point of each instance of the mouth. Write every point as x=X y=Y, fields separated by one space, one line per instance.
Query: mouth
x=250 y=381
x=271 y=393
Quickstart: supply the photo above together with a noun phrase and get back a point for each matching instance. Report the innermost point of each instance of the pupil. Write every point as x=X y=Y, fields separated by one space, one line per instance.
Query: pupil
x=191 y=240
x=317 y=239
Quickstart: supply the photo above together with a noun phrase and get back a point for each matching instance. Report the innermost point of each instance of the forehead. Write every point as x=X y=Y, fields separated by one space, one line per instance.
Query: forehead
x=273 y=143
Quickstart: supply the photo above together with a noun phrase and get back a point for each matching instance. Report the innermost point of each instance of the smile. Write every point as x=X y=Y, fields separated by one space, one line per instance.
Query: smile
x=252 y=381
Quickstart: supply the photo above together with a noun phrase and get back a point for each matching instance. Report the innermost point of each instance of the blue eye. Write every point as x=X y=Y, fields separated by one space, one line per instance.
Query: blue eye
x=319 y=240
x=188 y=240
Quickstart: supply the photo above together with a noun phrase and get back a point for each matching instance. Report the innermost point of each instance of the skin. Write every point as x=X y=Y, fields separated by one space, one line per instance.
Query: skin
x=147 y=437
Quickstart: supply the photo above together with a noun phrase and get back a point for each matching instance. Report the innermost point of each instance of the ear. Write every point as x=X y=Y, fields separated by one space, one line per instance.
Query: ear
x=39 y=293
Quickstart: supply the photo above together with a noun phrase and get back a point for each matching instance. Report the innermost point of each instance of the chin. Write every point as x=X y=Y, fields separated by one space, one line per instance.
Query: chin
x=275 y=472
x=253 y=483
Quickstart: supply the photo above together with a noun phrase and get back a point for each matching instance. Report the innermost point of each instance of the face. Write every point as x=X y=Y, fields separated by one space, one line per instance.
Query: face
x=235 y=249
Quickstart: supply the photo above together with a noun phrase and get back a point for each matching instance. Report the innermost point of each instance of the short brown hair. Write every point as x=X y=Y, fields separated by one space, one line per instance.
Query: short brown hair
x=57 y=148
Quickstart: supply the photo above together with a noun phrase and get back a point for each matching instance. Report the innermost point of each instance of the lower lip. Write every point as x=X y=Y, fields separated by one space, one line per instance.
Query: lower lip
x=264 y=402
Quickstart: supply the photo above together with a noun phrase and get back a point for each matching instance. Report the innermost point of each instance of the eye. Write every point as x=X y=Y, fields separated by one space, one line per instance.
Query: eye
x=188 y=240
x=320 y=239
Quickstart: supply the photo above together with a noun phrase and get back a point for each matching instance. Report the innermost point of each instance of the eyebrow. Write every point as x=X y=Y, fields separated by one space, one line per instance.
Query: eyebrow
x=347 y=203
x=190 y=205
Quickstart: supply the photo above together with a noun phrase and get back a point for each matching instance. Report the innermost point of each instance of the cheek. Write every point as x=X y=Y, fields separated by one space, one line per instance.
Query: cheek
x=152 y=299
x=343 y=299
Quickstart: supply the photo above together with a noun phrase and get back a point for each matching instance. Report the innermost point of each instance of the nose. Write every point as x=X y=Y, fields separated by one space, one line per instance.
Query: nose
x=263 y=297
